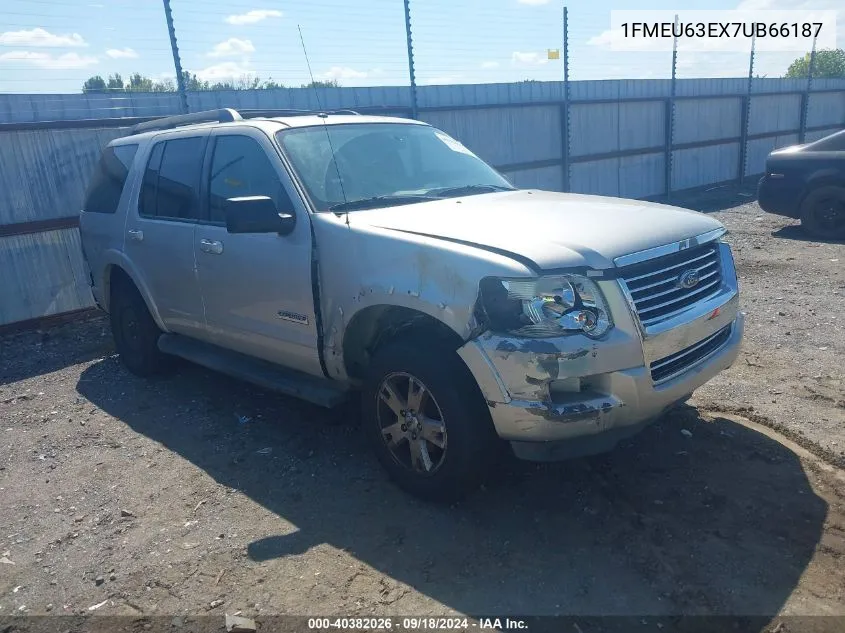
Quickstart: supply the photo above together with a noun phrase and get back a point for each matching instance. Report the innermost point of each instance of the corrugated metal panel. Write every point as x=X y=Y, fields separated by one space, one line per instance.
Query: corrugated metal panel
x=829 y=84
x=44 y=173
x=814 y=136
x=778 y=84
x=607 y=127
x=51 y=107
x=774 y=113
x=42 y=274
x=826 y=109
x=707 y=119
x=707 y=86
x=626 y=177
x=704 y=165
x=759 y=148
x=547 y=178
x=72 y=107
x=504 y=136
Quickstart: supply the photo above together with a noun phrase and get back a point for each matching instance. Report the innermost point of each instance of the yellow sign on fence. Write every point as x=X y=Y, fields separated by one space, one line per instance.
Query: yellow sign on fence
x=554 y=53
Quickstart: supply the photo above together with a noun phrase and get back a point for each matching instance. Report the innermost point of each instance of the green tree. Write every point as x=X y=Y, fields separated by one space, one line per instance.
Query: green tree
x=165 y=85
x=192 y=82
x=94 y=84
x=829 y=63
x=115 y=83
x=139 y=83
x=328 y=83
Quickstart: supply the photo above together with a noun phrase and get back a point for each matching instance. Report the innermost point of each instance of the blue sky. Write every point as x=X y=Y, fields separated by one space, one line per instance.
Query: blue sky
x=54 y=45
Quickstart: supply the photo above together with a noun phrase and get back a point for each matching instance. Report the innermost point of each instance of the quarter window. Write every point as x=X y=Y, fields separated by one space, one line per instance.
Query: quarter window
x=106 y=186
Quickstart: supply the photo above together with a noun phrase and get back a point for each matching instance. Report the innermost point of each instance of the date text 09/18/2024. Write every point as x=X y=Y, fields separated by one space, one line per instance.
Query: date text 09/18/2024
x=417 y=624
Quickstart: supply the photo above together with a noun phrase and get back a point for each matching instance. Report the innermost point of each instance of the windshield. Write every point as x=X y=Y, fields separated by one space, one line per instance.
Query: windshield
x=380 y=164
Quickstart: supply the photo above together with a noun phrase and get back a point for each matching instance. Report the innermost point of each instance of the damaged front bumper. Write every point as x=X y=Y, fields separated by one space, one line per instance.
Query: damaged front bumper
x=570 y=396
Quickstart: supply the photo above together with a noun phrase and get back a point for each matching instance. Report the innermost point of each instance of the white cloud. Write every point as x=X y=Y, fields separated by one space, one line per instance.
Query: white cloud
x=224 y=71
x=489 y=65
x=253 y=16
x=40 y=37
x=533 y=2
x=529 y=59
x=232 y=47
x=339 y=73
x=45 y=60
x=122 y=53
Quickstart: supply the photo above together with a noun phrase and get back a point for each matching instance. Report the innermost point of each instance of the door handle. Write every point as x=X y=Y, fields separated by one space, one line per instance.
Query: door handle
x=135 y=234
x=211 y=246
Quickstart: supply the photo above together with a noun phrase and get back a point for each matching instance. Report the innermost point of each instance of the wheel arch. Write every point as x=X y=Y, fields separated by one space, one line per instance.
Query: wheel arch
x=377 y=325
x=120 y=270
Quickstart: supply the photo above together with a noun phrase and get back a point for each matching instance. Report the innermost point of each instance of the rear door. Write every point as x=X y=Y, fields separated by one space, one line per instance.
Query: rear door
x=256 y=287
x=160 y=231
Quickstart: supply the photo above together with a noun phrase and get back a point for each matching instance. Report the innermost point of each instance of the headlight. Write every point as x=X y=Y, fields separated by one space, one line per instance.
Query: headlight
x=544 y=307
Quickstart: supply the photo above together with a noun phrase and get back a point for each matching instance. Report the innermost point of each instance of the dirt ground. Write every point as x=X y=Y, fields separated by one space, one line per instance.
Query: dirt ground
x=195 y=494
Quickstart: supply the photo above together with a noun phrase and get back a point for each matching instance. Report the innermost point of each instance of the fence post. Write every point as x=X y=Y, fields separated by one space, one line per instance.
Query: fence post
x=564 y=111
x=411 y=59
x=180 y=78
x=746 y=112
x=805 y=97
x=670 y=116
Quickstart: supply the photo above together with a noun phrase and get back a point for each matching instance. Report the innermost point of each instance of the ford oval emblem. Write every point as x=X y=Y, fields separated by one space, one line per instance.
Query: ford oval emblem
x=688 y=279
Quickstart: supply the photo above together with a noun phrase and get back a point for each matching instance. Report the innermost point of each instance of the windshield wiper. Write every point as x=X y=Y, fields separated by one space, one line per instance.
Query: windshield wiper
x=466 y=190
x=380 y=201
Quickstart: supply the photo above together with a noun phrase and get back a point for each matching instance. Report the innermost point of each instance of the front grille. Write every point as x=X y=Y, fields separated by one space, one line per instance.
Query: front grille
x=670 y=366
x=654 y=284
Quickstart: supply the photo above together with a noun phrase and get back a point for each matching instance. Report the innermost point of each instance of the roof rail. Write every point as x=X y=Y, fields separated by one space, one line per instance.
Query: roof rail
x=252 y=114
x=224 y=115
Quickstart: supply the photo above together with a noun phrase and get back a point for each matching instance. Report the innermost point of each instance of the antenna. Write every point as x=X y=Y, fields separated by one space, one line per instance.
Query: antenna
x=308 y=63
x=325 y=126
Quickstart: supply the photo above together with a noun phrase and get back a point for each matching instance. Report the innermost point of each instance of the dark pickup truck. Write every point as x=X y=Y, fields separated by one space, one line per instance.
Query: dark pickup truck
x=808 y=182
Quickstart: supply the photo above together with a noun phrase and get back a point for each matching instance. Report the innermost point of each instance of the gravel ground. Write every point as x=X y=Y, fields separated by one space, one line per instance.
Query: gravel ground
x=790 y=374
x=196 y=494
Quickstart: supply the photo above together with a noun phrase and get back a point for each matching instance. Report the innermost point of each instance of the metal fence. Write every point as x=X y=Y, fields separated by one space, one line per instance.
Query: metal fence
x=639 y=138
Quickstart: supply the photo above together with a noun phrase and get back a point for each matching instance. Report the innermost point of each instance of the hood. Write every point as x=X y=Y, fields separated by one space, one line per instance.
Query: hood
x=551 y=230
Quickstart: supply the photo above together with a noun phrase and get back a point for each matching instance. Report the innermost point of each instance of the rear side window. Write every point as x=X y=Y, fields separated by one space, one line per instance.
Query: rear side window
x=171 y=180
x=104 y=190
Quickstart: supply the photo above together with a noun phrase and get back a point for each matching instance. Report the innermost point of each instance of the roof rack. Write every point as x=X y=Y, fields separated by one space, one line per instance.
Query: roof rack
x=223 y=115
x=253 y=114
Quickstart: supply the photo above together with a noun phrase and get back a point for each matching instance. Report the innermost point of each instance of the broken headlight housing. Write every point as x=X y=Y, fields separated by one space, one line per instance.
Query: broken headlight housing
x=546 y=307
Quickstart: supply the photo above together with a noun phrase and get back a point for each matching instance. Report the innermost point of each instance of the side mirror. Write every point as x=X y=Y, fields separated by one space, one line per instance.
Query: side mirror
x=257 y=214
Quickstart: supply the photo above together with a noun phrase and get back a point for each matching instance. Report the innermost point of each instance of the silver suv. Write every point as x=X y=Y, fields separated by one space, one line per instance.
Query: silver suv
x=327 y=254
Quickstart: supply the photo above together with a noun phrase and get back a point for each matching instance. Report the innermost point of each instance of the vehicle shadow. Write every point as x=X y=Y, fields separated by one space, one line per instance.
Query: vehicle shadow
x=720 y=522
x=35 y=353
x=795 y=232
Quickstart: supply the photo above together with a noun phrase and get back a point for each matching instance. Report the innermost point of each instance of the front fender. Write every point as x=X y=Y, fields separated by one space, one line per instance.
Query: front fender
x=365 y=266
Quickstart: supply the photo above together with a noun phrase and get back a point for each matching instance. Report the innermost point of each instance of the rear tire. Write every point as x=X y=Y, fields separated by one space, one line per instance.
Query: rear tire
x=135 y=332
x=444 y=411
x=823 y=213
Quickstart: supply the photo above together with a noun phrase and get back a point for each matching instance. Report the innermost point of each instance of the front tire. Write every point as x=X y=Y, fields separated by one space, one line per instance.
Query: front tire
x=135 y=332
x=426 y=420
x=823 y=213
